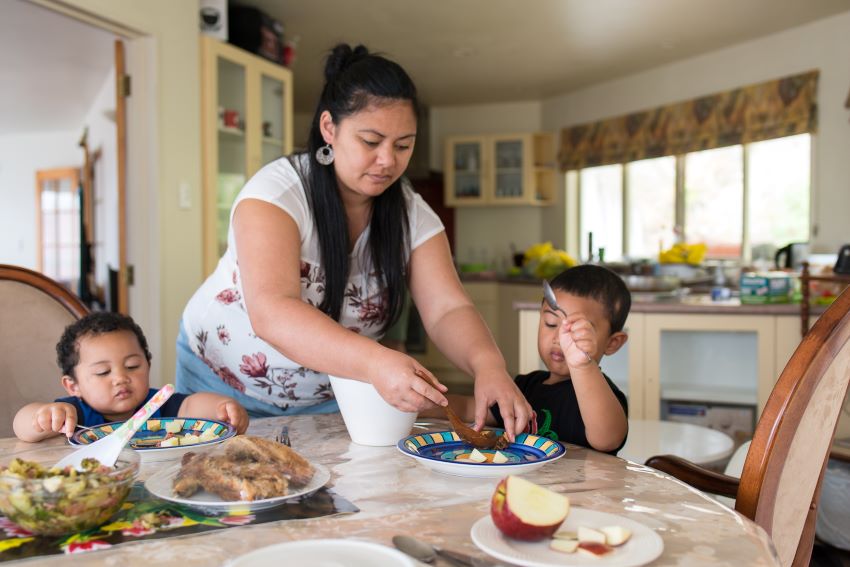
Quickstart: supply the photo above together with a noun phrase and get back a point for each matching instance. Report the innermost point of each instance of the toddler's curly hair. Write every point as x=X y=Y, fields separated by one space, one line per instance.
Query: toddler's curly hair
x=92 y=325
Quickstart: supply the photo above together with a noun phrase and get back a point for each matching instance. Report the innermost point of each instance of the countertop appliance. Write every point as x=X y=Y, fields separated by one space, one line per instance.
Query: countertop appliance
x=792 y=255
x=842 y=265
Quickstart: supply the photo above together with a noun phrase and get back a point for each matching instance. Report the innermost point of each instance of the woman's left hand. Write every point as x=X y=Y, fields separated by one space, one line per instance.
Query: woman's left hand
x=497 y=387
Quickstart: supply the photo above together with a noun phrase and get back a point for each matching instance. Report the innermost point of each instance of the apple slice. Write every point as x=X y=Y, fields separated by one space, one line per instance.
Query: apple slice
x=527 y=511
x=564 y=545
x=564 y=534
x=499 y=458
x=591 y=535
x=477 y=456
x=594 y=549
x=616 y=535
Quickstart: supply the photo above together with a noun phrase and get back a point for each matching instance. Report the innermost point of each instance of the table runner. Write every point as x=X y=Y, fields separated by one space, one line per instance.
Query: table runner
x=144 y=517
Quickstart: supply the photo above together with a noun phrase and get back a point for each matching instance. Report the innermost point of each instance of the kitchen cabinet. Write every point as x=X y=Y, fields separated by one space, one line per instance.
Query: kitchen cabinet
x=516 y=169
x=246 y=122
x=723 y=358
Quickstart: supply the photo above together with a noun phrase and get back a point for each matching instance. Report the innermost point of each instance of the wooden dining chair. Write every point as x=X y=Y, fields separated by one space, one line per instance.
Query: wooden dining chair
x=780 y=483
x=34 y=310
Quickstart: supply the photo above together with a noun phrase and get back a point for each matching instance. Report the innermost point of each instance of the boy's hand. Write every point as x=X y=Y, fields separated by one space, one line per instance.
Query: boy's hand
x=59 y=417
x=232 y=412
x=578 y=340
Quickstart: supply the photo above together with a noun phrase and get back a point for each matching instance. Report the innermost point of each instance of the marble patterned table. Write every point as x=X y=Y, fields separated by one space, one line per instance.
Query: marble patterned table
x=398 y=496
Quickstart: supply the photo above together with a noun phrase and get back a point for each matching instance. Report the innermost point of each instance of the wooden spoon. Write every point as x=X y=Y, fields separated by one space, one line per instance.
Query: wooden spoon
x=486 y=439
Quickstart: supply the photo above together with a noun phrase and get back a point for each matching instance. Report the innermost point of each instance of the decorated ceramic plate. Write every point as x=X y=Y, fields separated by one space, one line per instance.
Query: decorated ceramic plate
x=161 y=486
x=192 y=434
x=644 y=546
x=444 y=452
x=348 y=552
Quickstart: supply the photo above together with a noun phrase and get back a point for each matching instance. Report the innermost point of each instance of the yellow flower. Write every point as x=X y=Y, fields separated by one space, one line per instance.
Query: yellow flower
x=537 y=251
x=682 y=253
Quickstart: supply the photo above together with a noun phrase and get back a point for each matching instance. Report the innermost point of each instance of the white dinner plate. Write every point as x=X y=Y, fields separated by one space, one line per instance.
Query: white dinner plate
x=324 y=553
x=644 y=546
x=160 y=485
x=444 y=452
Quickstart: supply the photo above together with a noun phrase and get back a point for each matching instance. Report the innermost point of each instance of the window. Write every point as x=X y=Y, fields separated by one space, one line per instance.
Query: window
x=651 y=209
x=58 y=201
x=714 y=200
x=709 y=196
x=601 y=203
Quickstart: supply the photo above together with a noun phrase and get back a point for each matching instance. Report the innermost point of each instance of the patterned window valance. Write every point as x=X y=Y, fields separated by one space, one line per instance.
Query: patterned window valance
x=782 y=107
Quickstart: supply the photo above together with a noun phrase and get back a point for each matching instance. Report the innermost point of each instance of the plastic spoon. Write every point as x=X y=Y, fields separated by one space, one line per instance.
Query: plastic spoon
x=106 y=450
x=549 y=296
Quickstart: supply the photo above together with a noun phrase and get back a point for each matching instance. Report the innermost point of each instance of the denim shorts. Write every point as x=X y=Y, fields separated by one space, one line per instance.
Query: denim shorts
x=193 y=375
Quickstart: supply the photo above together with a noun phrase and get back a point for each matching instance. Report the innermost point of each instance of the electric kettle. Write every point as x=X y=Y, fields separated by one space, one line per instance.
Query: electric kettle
x=791 y=256
x=842 y=265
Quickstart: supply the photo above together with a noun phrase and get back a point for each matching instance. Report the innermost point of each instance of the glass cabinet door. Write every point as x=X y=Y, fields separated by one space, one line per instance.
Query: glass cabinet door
x=467 y=170
x=508 y=175
x=232 y=149
x=273 y=118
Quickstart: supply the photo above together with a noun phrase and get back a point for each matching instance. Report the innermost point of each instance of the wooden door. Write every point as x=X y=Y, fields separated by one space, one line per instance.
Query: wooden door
x=122 y=91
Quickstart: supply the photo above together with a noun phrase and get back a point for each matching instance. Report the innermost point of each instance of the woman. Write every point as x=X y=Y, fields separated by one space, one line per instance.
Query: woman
x=320 y=247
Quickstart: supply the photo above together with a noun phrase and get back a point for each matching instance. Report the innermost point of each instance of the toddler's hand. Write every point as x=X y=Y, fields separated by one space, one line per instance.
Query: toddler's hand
x=59 y=417
x=577 y=337
x=232 y=412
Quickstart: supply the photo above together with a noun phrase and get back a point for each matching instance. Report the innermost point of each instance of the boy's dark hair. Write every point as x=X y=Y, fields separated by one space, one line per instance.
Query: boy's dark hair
x=600 y=284
x=354 y=79
x=92 y=325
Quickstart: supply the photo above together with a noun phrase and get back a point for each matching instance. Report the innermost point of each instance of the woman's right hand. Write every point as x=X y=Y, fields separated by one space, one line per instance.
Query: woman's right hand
x=396 y=377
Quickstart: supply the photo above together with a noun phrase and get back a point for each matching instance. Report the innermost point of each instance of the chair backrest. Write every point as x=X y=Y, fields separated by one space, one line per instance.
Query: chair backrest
x=782 y=475
x=34 y=310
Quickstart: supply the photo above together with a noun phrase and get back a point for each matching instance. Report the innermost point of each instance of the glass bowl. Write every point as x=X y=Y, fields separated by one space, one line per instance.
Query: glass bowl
x=56 y=503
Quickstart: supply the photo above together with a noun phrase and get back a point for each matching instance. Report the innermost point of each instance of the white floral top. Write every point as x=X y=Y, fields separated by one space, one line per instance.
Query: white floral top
x=216 y=321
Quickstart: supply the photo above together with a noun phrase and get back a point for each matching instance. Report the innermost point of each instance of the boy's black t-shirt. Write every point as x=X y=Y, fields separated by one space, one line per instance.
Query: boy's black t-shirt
x=557 y=404
x=87 y=416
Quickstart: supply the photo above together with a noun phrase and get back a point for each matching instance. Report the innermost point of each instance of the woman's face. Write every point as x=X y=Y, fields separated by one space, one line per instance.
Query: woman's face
x=372 y=147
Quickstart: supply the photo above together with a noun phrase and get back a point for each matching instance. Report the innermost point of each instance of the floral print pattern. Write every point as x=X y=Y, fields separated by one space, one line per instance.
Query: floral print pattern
x=217 y=322
x=364 y=312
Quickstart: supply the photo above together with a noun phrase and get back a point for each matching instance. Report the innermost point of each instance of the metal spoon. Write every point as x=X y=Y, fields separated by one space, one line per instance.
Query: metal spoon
x=549 y=296
x=425 y=552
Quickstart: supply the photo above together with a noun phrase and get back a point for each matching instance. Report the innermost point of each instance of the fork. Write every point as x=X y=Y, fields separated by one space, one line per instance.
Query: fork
x=283 y=436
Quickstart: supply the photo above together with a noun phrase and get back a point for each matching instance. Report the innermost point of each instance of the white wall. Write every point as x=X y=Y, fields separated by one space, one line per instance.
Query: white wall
x=20 y=156
x=822 y=45
x=486 y=233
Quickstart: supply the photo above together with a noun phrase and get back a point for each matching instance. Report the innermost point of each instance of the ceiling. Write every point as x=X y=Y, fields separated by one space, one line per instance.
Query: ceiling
x=476 y=51
x=51 y=68
x=458 y=51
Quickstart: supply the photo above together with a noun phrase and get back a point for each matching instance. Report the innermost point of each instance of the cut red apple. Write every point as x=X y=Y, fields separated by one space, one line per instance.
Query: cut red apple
x=564 y=545
x=616 y=535
x=527 y=511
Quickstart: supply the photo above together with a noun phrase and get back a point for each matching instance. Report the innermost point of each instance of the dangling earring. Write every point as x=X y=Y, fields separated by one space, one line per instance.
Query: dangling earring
x=325 y=155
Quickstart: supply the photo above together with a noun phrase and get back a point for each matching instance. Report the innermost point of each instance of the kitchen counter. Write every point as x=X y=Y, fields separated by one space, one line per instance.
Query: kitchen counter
x=643 y=303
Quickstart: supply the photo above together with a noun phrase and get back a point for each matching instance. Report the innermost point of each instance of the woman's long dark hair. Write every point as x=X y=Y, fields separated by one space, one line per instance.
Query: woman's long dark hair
x=355 y=78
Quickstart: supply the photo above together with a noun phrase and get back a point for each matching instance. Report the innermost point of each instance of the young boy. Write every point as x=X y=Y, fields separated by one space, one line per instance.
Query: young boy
x=105 y=364
x=574 y=401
